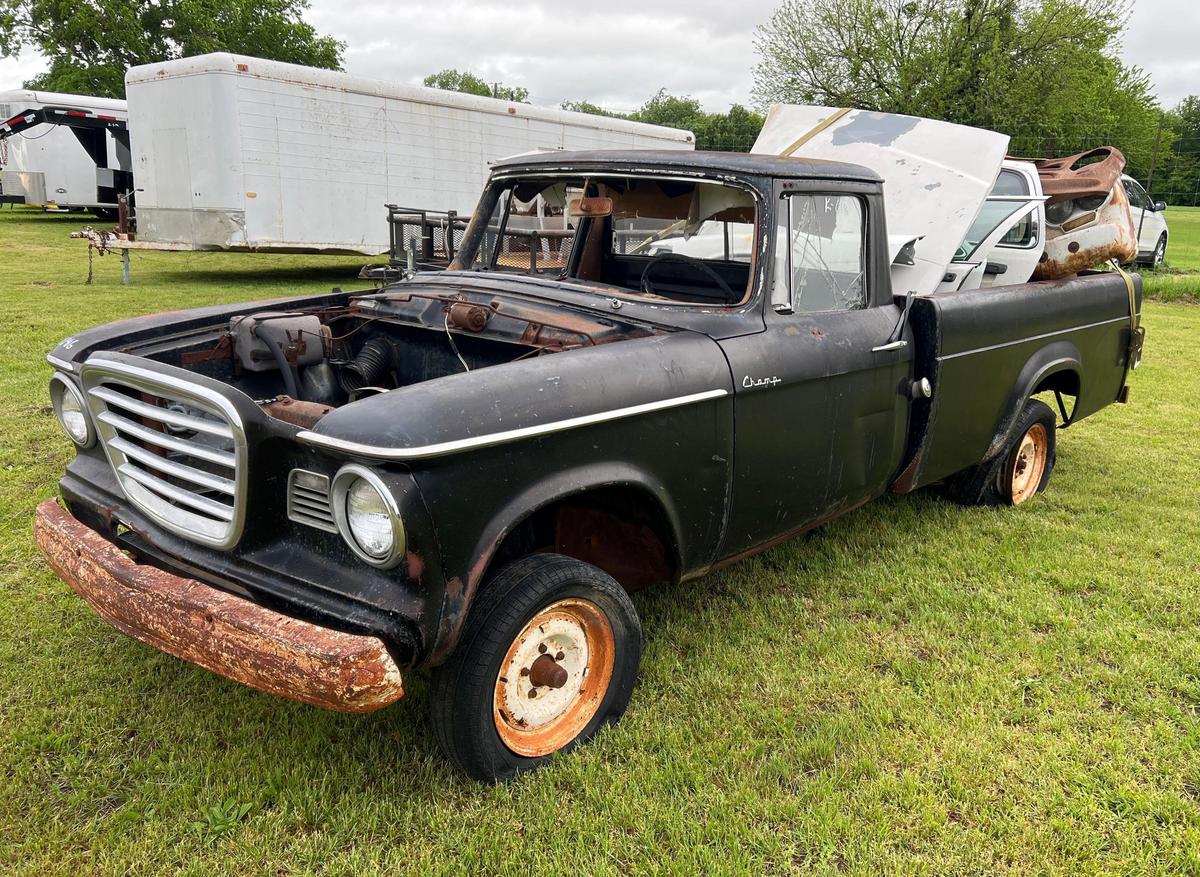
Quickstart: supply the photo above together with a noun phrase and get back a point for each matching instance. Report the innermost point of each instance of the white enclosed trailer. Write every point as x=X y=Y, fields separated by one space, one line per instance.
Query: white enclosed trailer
x=237 y=153
x=46 y=165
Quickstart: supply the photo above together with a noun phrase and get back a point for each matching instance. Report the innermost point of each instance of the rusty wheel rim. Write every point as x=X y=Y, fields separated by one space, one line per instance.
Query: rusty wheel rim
x=1029 y=464
x=554 y=677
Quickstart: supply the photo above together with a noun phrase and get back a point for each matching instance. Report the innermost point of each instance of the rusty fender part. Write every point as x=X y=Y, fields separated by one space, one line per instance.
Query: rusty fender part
x=1095 y=237
x=221 y=632
x=1095 y=172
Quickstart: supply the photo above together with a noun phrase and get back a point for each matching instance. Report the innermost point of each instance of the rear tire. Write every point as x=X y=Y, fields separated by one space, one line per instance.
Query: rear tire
x=548 y=655
x=1019 y=472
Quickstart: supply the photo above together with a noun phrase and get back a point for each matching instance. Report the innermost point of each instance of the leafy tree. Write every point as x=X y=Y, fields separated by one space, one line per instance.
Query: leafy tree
x=1044 y=71
x=734 y=130
x=91 y=44
x=1177 y=179
x=671 y=111
x=468 y=83
x=583 y=106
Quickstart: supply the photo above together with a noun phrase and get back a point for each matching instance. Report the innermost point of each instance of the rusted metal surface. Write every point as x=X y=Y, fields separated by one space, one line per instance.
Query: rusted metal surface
x=472 y=317
x=222 y=350
x=1069 y=177
x=296 y=411
x=228 y=635
x=633 y=554
x=1095 y=237
x=1029 y=465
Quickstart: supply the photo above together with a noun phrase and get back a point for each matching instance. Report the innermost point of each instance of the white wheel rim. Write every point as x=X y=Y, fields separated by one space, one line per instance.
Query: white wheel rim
x=562 y=641
x=553 y=678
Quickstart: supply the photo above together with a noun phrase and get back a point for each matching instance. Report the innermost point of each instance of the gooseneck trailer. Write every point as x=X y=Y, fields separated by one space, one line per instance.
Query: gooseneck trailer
x=63 y=151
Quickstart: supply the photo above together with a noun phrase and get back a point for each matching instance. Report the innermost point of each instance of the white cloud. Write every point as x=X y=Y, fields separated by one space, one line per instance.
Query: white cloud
x=620 y=52
x=14 y=71
x=1161 y=39
x=617 y=54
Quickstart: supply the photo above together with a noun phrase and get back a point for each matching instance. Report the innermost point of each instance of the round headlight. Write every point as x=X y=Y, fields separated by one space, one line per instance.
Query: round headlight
x=1091 y=202
x=1057 y=214
x=71 y=410
x=367 y=516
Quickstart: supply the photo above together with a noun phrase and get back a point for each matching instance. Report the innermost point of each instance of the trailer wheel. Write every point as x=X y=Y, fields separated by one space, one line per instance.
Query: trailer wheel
x=1021 y=471
x=549 y=654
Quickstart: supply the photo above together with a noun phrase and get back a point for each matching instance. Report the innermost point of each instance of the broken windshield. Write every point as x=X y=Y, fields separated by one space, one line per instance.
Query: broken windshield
x=684 y=241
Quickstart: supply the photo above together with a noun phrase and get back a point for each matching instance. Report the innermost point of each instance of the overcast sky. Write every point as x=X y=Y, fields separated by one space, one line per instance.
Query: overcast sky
x=619 y=52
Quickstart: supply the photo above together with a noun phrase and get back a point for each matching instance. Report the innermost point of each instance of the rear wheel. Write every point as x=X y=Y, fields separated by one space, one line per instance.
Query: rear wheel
x=549 y=654
x=1020 y=471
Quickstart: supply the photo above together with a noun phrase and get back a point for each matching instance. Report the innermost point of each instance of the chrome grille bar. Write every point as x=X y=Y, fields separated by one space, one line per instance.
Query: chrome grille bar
x=169 y=491
x=165 y=440
x=179 y=470
x=163 y=415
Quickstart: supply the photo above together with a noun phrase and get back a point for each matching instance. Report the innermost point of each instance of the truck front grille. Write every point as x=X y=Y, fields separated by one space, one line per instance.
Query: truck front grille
x=178 y=449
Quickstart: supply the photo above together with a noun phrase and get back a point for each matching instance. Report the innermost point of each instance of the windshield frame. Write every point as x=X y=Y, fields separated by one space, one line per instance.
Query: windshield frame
x=502 y=181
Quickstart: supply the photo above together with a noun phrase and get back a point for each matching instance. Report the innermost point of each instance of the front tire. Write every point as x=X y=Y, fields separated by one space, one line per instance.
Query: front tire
x=1160 y=252
x=549 y=654
x=1019 y=472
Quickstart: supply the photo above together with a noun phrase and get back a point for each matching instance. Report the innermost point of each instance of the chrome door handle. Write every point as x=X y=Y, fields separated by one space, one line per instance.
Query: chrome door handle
x=891 y=345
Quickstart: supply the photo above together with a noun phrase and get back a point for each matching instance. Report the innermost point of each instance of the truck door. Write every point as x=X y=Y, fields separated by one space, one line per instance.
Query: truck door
x=820 y=411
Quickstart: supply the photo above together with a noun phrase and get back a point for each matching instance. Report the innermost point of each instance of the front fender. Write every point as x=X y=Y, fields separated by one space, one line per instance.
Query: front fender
x=554 y=487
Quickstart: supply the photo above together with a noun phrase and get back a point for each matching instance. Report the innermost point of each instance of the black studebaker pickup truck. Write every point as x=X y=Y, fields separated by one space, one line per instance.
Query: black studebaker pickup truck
x=640 y=367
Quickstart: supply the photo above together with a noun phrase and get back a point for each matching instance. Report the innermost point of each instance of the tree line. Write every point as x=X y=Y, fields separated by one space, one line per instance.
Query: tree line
x=1046 y=72
x=734 y=129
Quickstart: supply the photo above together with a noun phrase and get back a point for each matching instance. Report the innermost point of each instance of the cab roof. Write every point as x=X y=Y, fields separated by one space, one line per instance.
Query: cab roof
x=740 y=163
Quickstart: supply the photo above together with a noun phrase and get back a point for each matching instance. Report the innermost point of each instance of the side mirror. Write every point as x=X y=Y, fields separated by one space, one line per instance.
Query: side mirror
x=1160 y=206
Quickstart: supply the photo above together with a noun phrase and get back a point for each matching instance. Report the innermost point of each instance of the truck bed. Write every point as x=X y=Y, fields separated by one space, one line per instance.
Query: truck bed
x=986 y=350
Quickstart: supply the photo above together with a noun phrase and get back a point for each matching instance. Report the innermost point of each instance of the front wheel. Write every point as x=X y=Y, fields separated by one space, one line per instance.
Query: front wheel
x=548 y=655
x=1160 y=252
x=1020 y=471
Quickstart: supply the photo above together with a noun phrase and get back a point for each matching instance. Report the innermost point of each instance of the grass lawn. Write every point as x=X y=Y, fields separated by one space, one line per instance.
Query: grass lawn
x=1183 y=230
x=915 y=688
x=1179 y=279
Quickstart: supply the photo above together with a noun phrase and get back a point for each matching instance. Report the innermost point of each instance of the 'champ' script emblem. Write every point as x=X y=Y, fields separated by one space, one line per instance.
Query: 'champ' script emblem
x=749 y=382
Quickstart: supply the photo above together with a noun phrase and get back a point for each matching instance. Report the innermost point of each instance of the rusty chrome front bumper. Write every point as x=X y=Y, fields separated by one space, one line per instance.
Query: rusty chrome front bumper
x=218 y=631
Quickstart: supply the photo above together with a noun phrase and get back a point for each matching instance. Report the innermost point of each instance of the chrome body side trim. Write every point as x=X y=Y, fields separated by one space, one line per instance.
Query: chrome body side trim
x=441 y=449
x=1042 y=337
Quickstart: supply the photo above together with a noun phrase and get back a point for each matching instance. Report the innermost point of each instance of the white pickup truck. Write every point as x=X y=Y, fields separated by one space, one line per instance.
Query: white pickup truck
x=961 y=214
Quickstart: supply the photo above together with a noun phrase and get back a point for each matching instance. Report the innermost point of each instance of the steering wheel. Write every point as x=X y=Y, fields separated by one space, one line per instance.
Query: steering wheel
x=697 y=264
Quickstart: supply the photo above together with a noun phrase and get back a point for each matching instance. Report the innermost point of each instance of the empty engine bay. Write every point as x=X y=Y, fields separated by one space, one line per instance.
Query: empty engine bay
x=301 y=364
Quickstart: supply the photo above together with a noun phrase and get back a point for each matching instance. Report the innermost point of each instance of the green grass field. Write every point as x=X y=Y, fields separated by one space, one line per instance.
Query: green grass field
x=1179 y=279
x=916 y=688
x=1183 y=226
